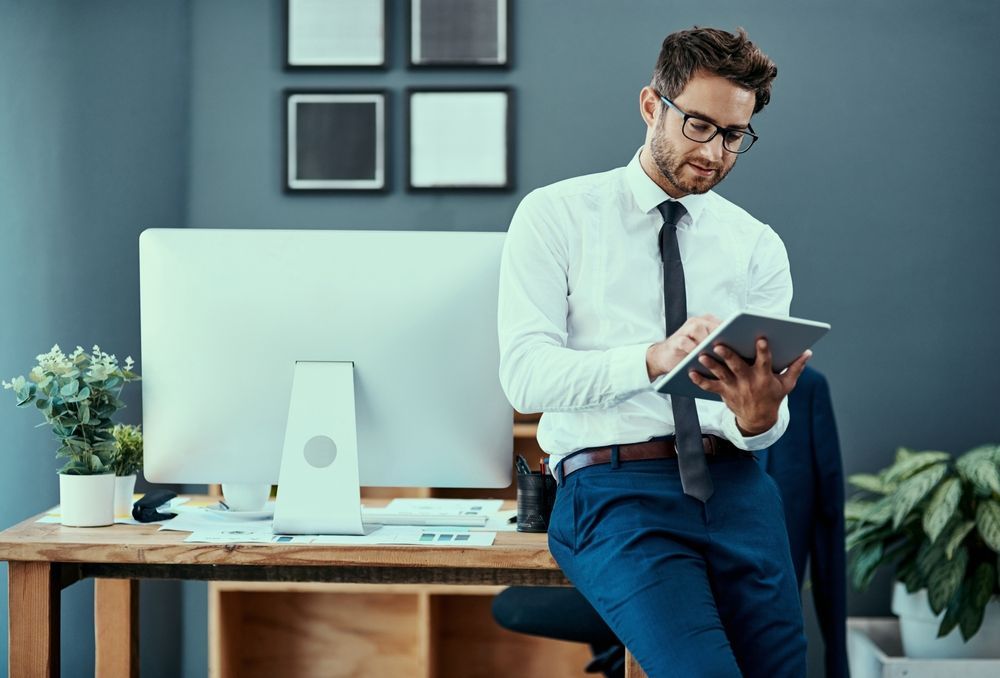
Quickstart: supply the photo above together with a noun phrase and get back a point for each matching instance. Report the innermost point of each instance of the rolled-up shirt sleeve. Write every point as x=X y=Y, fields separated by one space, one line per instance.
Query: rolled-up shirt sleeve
x=538 y=372
x=769 y=291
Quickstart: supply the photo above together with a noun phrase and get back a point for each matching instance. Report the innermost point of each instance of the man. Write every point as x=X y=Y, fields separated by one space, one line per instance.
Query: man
x=663 y=519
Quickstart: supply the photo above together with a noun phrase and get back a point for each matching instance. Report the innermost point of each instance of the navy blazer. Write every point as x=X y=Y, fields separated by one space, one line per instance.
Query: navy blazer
x=805 y=463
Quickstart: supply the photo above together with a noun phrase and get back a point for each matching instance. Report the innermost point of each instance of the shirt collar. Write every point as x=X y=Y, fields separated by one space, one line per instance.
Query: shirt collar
x=648 y=195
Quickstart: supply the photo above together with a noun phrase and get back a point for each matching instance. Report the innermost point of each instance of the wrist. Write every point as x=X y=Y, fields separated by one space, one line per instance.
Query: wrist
x=650 y=366
x=749 y=427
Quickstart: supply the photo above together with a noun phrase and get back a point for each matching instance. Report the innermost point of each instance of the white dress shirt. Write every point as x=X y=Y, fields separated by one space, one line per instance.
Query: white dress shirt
x=581 y=299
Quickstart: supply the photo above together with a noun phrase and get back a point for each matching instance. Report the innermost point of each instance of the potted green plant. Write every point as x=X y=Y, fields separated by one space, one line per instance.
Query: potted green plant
x=126 y=462
x=77 y=395
x=937 y=522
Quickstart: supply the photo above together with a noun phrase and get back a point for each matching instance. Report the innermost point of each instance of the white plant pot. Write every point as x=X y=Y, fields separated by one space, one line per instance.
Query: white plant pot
x=124 y=488
x=919 y=627
x=87 y=501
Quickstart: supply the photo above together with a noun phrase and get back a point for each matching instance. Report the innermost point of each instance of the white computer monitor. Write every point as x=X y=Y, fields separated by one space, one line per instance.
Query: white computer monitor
x=227 y=314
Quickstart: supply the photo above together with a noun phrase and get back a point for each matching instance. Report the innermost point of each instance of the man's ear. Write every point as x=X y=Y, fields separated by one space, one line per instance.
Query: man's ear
x=649 y=105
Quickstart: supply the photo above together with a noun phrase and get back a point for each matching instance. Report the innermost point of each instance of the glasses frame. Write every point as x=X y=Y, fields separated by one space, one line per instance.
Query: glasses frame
x=725 y=130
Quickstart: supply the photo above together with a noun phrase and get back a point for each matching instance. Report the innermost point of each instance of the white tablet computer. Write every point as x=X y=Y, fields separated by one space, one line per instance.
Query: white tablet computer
x=787 y=337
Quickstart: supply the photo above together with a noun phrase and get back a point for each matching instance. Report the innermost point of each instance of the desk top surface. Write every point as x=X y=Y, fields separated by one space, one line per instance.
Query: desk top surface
x=146 y=545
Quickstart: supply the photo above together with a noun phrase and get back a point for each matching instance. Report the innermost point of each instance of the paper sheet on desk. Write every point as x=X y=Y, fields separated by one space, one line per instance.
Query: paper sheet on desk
x=388 y=534
x=444 y=507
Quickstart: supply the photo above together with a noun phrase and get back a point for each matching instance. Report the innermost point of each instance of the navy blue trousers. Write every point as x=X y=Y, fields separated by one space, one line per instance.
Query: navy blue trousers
x=694 y=590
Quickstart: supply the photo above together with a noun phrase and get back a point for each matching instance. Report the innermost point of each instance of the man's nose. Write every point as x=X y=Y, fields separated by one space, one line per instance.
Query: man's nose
x=713 y=150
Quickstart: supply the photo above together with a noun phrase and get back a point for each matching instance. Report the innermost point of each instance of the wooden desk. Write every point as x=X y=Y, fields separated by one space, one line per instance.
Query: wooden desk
x=45 y=558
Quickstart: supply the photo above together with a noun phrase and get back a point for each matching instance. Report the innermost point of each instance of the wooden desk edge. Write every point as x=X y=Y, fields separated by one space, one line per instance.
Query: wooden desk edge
x=145 y=545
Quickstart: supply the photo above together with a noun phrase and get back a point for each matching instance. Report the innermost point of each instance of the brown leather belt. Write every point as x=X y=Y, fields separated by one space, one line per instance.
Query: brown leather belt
x=651 y=449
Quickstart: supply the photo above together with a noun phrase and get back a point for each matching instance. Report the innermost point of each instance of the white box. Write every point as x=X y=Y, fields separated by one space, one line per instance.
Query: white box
x=875 y=650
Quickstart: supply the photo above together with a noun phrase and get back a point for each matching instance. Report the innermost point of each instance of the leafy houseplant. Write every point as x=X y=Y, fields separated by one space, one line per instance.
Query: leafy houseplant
x=126 y=462
x=127 y=457
x=77 y=395
x=938 y=522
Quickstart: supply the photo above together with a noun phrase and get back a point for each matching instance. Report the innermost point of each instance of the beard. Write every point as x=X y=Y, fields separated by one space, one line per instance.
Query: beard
x=673 y=166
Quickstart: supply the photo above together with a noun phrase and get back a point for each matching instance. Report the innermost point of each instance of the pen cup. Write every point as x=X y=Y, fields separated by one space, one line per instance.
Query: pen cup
x=535 y=496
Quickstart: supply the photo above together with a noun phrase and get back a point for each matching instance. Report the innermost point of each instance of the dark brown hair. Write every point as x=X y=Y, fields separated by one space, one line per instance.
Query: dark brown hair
x=718 y=52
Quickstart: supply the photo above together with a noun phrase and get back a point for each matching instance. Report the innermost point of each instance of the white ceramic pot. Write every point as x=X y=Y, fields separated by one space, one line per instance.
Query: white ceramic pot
x=87 y=501
x=919 y=627
x=124 y=488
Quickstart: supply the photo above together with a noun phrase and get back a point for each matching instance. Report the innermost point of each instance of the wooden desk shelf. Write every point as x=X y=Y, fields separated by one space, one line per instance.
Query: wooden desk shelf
x=353 y=630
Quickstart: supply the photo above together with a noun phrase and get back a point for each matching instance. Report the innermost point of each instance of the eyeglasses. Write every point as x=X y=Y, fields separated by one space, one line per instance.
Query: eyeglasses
x=703 y=131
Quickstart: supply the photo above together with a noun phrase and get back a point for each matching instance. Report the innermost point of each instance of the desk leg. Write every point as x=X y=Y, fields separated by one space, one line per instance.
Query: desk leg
x=116 y=628
x=33 y=624
x=632 y=668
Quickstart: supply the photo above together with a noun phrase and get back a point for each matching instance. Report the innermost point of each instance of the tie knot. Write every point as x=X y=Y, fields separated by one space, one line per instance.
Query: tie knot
x=672 y=211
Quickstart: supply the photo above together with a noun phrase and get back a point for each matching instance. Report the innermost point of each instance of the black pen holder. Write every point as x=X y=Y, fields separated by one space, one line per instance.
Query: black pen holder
x=536 y=493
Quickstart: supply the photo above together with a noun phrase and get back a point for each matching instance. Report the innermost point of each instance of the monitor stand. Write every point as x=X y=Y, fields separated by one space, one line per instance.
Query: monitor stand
x=319 y=489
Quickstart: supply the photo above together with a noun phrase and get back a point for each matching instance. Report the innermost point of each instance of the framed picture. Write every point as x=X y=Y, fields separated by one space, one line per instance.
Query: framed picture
x=335 y=140
x=459 y=33
x=335 y=33
x=460 y=138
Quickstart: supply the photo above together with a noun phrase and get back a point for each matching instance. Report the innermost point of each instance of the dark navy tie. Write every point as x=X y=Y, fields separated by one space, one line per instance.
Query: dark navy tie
x=695 y=478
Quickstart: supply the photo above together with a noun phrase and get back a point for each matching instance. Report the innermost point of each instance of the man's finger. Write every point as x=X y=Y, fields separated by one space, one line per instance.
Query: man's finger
x=702 y=382
x=734 y=361
x=699 y=330
x=720 y=370
x=791 y=375
x=763 y=360
x=712 y=320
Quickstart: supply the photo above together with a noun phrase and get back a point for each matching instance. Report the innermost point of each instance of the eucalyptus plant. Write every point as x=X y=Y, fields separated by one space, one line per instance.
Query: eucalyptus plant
x=77 y=395
x=127 y=457
x=937 y=521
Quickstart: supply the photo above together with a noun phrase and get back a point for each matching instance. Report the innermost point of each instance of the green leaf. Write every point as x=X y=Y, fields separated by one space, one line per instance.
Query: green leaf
x=977 y=594
x=84 y=413
x=23 y=396
x=864 y=565
x=75 y=467
x=988 y=522
x=912 y=464
x=945 y=579
x=928 y=556
x=988 y=451
x=941 y=507
x=958 y=533
x=981 y=471
x=872 y=512
x=951 y=615
x=855 y=509
x=914 y=489
x=913 y=580
x=870 y=483
x=69 y=388
x=865 y=534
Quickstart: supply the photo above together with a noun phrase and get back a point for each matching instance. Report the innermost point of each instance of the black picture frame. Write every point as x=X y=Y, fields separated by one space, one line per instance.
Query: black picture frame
x=451 y=116
x=321 y=122
x=451 y=43
x=300 y=55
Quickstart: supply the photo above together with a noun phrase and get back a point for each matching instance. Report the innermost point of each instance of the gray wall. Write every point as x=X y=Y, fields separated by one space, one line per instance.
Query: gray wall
x=93 y=146
x=875 y=167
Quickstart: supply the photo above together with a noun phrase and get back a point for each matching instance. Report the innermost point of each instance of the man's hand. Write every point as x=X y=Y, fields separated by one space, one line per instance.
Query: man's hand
x=752 y=392
x=663 y=356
